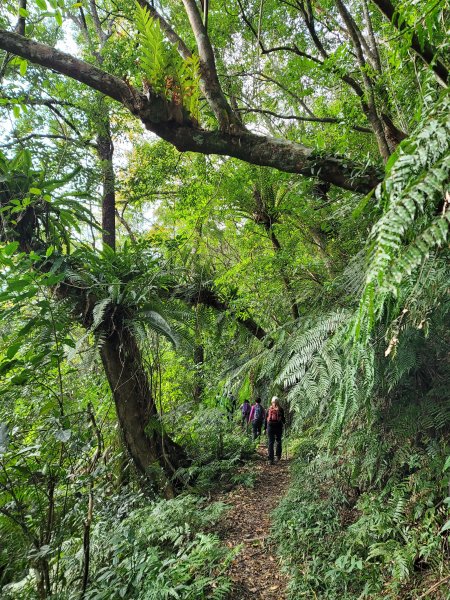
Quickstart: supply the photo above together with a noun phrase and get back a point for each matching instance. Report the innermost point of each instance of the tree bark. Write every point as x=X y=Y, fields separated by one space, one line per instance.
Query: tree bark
x=154 y=454
x=105 y=150
x=287 y=282
x=199 y=384
x=211 y=85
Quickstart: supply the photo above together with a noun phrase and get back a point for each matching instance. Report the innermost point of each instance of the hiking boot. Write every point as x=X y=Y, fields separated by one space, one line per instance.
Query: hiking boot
x=271 y=461
x=278 y=458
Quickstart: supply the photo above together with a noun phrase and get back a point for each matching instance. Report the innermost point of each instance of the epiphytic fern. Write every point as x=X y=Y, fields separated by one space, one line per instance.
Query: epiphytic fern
x=164 y=71
x=190 y=85
x=153 y=51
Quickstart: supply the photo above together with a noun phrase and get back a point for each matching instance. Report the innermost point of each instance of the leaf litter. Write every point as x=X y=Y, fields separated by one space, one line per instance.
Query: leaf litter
x=255 y=572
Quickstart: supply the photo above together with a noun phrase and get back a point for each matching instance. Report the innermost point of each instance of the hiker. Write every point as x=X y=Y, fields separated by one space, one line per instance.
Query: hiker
x=256 y=418
x=273 y=423
x=245 y=412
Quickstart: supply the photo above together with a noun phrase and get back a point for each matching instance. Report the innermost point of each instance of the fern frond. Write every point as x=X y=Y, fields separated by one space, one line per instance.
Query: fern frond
x=98 y=312
x=152 y=48
x=416 y=185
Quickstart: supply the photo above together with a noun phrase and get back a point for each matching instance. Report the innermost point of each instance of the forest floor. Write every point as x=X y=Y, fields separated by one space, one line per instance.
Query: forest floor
x=255 y=571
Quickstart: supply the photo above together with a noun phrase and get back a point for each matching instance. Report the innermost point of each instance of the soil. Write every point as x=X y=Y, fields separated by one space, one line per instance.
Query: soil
x=255 y=572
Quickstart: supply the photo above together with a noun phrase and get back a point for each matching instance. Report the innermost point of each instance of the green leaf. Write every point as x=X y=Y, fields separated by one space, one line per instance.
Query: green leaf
x=16 y=111
x=58 y=17
x=10 y=248
x=12 y=350
x=446 y=527
x=54 y=278
x=23 y=67
x=17 y=285
x=42 y=4
x=63 y=435
x=35 y=191
x=21 y=378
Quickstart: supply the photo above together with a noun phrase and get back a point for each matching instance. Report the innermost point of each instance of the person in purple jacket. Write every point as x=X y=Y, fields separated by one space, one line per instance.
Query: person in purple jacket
x=245 y=414
x=256 y=418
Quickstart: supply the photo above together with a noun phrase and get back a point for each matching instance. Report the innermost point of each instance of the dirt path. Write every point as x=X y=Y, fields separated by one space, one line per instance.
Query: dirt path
x=248 y=523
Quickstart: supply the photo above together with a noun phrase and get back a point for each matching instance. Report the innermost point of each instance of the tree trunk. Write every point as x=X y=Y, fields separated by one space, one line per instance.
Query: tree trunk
x=287 y=283
x=105 y=150
x=199 y=384
x=393 y=134
x=154 y=454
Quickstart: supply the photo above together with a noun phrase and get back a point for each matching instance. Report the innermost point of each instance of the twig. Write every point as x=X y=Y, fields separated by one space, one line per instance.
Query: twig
x=434 y=587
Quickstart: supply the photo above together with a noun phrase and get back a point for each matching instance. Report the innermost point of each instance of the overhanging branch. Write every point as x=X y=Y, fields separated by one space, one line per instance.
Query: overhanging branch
x=155 y=112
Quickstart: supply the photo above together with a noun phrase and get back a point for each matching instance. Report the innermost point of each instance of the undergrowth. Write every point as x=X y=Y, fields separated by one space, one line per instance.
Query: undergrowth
x=142 y=551
x=217 y=448
x=366 y=520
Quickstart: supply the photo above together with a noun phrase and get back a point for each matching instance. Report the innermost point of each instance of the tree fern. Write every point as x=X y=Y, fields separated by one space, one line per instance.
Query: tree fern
x=305 y=344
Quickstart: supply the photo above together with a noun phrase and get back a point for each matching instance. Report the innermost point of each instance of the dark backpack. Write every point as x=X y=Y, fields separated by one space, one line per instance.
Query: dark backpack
x=274 y=415
x=258 y=413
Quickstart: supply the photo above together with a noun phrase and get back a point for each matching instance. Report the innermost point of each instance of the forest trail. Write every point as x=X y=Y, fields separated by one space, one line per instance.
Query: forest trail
x=255 y=571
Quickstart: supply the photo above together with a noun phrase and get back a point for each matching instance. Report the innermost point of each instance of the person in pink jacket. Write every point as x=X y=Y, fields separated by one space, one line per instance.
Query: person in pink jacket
x=256 y=418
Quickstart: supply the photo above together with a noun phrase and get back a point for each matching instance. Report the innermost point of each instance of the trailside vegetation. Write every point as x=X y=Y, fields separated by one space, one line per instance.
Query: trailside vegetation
x=207 y=203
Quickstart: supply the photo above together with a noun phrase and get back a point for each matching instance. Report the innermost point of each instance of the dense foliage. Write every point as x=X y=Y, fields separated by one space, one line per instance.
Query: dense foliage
x=146 y=292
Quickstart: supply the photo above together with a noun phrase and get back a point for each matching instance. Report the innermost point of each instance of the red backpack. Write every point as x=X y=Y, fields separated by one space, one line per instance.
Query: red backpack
x=274 y=415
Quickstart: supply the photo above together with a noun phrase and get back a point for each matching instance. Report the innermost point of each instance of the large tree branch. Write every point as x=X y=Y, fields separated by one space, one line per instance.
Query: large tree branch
x=207 y=297
x=228 y=121
x=63 y=63
x=156 y=114
x=424 y=49
x=280 y=154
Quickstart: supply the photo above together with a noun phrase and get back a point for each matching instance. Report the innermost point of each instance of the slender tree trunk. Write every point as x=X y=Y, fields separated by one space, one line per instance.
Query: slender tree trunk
x=199 y=385
x=105 y=150
x=287 y=282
